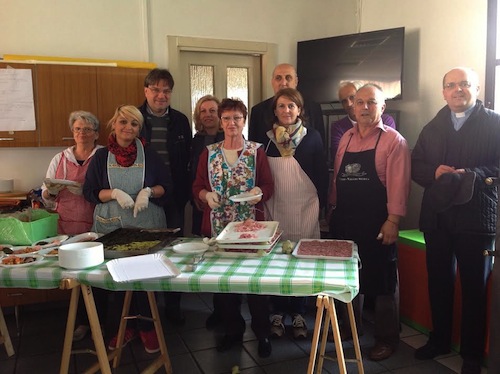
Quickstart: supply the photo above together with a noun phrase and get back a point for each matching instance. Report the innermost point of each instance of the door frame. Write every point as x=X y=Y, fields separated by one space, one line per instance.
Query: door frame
x=266 y=51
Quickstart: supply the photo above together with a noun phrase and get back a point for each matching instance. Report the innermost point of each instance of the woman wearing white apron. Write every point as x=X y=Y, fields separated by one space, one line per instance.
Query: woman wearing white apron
x=128 y=183
x=297 y=161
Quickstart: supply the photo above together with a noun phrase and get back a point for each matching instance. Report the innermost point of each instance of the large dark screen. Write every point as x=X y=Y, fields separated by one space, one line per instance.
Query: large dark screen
x=376 y=57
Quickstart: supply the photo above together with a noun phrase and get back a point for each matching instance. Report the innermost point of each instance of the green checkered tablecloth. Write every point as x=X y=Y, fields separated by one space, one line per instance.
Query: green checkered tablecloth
x=274 y=274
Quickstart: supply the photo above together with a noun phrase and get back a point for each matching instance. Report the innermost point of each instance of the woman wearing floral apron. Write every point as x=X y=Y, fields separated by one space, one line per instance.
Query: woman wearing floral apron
x=225 y=169
x=128 y=183
x=297 y=161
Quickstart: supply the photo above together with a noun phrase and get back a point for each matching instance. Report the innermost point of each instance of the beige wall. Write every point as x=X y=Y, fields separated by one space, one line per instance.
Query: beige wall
x=439 y=35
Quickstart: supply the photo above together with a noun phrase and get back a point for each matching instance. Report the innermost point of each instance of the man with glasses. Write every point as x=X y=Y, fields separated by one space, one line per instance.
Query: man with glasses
x=169 y=133
x=455 y=154
x=347 y=91
x=262 y=114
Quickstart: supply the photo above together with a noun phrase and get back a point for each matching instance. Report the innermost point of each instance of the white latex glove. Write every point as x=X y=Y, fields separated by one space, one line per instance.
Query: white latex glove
x=55 y=188
x=142 y=200
x=213 y=200
x=255 y=191
x=122 y=198
x=76 y=189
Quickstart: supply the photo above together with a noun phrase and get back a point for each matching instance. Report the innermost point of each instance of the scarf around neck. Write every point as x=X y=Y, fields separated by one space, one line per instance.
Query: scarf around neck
x=288 y=138
x=125 y=156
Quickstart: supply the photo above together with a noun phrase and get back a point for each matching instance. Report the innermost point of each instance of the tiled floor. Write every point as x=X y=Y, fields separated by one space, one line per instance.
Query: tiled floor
x=39 y=338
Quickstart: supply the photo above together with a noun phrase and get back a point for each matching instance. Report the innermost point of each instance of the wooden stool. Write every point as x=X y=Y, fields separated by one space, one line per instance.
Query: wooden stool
x=327 y=303
x=4 y=336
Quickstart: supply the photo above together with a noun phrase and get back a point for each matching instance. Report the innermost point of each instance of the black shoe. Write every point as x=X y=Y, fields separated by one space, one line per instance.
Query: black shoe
x=213 y=321
x=265 y=348
x=471 y=367
x=175 y=317
x=429 y=351
x=228 y=341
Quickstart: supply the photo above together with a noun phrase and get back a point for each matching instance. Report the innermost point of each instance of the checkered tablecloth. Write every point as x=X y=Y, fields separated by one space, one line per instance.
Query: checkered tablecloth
x=274 y=274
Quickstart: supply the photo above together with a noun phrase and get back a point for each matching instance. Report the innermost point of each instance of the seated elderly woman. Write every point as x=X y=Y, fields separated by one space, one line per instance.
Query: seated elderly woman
x=228 y=168
x=128 y=183
x=75 y=213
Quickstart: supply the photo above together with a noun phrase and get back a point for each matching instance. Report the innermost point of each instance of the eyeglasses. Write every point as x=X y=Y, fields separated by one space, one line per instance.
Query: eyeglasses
x=462 y=84
x=157 y=91
x=83 y=130
x=235 y=118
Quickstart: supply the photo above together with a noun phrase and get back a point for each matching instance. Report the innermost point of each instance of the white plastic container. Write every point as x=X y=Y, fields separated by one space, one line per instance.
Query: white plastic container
x=83 y=255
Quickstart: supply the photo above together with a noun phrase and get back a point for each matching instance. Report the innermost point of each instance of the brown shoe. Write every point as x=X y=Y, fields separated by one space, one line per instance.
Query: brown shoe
x=380 y=352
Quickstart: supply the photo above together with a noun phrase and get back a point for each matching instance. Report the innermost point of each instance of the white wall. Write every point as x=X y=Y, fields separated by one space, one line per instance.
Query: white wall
x=137 y=30
x=439 y=35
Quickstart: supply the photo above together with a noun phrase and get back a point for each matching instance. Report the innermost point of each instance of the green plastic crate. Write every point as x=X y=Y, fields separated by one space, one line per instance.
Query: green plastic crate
x=43 y=225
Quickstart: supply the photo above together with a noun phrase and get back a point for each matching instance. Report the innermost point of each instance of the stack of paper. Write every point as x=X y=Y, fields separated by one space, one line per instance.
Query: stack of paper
x=134 y=268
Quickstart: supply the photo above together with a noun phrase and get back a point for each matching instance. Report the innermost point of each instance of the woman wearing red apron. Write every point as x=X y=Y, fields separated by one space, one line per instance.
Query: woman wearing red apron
x=370 y=191
x=75 y=213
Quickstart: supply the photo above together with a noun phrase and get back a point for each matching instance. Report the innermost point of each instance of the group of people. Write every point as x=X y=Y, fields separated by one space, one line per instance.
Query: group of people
x=455 y=160
x=152 y=166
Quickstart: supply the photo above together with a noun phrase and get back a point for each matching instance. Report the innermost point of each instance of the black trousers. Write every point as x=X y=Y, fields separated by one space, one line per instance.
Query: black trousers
x=229 y=306
x=494 y=357
x=446 y=250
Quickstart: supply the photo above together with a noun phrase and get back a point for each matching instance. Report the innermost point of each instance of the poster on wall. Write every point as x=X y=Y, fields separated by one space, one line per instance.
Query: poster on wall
x=17 y=108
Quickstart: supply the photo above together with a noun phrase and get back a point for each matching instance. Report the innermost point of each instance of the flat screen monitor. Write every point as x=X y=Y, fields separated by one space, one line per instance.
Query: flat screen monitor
x=368 y=57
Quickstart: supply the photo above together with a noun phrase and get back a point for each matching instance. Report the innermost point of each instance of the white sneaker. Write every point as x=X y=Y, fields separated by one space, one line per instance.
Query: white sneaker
x=277 y=327
x=299 y=327
x=80 y=332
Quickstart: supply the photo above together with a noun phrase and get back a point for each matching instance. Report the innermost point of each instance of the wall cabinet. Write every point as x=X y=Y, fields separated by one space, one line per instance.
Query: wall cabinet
x=60 y=89
x=117 y=86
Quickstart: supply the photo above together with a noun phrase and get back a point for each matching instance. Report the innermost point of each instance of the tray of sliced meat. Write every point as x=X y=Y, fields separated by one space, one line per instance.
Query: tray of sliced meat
x=248 y=231
x=326 y=248
x=262 y=245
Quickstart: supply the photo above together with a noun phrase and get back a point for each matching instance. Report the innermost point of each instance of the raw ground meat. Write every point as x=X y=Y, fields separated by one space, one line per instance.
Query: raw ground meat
x=249 y=225
x=328 y=248
x=248 y=235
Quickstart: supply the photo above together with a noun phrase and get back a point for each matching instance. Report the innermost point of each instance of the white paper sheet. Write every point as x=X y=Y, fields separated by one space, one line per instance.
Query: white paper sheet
x=17 y=108
x=133 y=268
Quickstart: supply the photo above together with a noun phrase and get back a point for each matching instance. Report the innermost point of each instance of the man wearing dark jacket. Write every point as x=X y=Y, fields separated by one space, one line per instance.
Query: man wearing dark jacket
x=169 y=133
x=455 y=154
x=262 y=114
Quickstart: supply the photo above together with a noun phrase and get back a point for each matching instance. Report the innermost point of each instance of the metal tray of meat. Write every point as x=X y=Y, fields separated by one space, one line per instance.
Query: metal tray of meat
x=127 y=242
x=330 y=249
x=232 y=233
